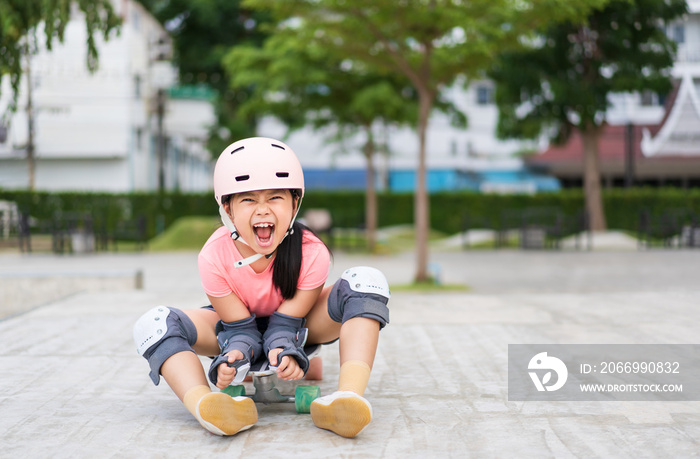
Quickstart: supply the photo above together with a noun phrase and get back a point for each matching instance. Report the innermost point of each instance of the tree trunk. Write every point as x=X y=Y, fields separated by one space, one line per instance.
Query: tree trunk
x=31 y=161
x=371 y=195
x=421 y=205
x=591 y=179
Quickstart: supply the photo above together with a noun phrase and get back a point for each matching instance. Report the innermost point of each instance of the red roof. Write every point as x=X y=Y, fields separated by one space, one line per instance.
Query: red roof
x=612 y=146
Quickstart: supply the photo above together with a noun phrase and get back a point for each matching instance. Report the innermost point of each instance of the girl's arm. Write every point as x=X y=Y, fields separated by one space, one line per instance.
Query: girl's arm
x=230 y=308
x=301 y=304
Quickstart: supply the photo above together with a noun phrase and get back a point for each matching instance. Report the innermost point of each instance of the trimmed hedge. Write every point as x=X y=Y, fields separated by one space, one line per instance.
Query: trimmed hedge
x=448 y=210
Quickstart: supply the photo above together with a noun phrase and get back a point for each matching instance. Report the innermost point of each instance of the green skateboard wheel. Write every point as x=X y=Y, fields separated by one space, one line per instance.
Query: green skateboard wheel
x=303 y=396
x=234 y=391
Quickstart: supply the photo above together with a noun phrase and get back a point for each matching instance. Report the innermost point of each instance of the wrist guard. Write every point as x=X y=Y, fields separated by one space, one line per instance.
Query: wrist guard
x=242 y=335
x=287 y=333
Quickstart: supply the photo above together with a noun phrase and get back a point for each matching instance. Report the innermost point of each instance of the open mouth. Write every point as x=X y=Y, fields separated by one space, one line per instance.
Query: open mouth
x=263 y=233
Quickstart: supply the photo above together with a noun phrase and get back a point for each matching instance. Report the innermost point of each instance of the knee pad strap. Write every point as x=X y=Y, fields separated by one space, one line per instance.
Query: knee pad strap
x=360 y=292
x=161 y=333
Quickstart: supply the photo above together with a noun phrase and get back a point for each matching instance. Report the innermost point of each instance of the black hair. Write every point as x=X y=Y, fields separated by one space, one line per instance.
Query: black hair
x=286 y=266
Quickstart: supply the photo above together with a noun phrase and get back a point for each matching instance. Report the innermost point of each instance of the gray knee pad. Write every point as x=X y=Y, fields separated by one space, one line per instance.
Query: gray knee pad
x=360 y=292
x=161 y=333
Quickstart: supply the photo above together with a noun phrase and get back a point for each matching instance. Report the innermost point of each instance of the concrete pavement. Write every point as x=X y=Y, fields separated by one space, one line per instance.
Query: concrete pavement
x=73 y=385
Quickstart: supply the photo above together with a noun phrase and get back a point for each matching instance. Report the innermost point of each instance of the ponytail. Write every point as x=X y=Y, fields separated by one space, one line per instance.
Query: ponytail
x=286 y=267
x=287 y=264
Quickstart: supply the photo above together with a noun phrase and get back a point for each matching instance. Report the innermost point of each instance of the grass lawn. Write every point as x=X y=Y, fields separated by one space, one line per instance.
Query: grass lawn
x=429 y=287
x=186 y=233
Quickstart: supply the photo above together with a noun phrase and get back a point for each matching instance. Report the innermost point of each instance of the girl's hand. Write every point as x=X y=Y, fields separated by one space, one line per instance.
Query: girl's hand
x=225 y=373
x=288 y=369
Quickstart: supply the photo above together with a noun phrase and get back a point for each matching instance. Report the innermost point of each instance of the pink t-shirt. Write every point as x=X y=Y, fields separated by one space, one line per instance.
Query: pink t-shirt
x=220 y=277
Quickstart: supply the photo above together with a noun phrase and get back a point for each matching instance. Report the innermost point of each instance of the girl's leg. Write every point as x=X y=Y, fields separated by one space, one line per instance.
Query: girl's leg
x=216 y=411
x=346 y=412
x=359 y=338
x=322 y=329
x=183 y=371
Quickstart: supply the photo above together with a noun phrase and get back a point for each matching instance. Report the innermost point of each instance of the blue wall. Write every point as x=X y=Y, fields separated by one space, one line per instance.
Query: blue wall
x=335 y=179
x=437 y=180
x=404 y=181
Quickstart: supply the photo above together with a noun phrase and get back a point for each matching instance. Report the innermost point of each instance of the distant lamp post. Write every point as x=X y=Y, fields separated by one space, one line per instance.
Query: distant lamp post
x=160 y=138
x=629 y=155
x=31 y=154
x=162 y=78
x=629 y=141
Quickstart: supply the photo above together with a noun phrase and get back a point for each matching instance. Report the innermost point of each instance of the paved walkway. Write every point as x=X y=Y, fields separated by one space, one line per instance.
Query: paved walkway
x=73 y=386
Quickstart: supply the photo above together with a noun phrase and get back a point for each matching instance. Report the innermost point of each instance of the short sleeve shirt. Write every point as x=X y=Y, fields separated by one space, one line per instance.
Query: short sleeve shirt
x=220 y=277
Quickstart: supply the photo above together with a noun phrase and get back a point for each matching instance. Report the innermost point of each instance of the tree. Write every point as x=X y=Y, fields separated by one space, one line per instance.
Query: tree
x=302 y=84
x=21 y=23
x=429 y=42
x=563 y=79
x=203 y=31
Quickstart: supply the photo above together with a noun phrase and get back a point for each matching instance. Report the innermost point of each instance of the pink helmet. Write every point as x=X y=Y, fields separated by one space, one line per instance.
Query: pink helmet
x=257 y=163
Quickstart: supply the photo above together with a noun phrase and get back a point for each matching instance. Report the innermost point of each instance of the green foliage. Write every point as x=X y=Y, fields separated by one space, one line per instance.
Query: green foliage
x=562 y=78
x=21 y=21
x=565 y=75
x=302 y=83
x=623 y=206
x=430 y=44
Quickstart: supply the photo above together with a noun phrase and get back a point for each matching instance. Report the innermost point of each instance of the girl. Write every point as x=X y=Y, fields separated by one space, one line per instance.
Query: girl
x=264 y=275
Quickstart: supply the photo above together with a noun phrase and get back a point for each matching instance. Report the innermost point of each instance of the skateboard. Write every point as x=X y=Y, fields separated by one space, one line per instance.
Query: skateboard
x=264 y=381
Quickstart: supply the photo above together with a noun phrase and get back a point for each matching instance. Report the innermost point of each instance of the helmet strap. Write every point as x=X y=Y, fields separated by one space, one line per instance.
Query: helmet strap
x=228 y=223
x=291 y=224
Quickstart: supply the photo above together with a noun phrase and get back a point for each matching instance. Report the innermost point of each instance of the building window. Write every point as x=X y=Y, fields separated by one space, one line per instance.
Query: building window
x=137 y=86
x=678 y=33
x=138 y=138
x=484 y=95
x=136 y=20
x=650 y=99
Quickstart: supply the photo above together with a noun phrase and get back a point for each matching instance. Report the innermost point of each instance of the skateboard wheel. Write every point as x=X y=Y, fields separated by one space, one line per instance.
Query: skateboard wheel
x=234 y=391
x=303 y=396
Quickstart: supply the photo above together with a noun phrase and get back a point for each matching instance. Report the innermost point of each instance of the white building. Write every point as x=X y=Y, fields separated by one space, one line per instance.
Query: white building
x=99 y=131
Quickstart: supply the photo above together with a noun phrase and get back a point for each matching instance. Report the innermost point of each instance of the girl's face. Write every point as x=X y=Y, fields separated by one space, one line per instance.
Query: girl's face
x=262 y=217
